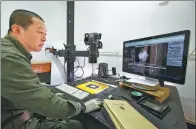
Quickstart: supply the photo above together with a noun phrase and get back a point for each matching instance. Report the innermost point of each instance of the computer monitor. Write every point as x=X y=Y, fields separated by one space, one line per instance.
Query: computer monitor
x=162 y=57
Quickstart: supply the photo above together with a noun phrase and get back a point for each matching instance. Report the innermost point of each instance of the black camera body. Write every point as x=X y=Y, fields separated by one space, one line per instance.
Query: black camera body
x=90 y=38
x=93 y=40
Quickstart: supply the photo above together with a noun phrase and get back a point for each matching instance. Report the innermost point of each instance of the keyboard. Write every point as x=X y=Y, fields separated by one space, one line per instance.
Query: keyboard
x=72 y=91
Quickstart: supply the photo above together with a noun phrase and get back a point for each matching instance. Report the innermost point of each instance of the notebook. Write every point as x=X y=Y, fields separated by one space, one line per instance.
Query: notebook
x=124 y=116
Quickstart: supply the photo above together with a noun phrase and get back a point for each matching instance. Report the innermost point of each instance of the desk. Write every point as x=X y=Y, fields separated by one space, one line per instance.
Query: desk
x=173 y=120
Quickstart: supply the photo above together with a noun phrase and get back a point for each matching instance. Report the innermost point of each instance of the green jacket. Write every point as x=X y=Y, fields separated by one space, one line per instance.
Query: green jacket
x=22 y=87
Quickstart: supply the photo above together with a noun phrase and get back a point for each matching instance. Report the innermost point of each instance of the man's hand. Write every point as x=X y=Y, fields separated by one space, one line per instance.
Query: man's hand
x=60 y=94
x=92 y=105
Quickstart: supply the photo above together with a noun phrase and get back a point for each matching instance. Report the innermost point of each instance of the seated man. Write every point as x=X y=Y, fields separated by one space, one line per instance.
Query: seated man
x=21 y=91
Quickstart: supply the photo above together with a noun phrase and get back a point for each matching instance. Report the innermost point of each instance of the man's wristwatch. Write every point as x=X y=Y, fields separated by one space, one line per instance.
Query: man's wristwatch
x=83 y=108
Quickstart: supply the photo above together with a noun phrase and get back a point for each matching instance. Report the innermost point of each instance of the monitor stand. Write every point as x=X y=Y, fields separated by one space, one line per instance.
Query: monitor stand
x=147 y=81
x=161 y=82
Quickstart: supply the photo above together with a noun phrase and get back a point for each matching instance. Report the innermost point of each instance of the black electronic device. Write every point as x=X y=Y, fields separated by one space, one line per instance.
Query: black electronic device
x=157 y=109
x=113 y=71
x=70 y=53
x=93 y=40
x=103 y=70
x=162 y=57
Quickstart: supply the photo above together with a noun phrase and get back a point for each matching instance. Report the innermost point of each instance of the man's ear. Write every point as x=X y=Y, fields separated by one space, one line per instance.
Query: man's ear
x=16 y=30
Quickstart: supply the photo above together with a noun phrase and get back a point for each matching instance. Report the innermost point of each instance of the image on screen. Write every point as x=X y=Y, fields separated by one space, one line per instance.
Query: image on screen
x=161 y=57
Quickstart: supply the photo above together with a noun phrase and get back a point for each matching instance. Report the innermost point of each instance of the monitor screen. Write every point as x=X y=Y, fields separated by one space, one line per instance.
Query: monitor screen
x=161 y=57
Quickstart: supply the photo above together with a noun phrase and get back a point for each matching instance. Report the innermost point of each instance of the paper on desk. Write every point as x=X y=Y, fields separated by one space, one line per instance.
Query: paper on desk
x=57 y=72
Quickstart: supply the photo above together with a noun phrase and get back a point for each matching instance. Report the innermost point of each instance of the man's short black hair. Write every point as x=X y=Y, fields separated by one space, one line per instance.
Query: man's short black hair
x=22 y=18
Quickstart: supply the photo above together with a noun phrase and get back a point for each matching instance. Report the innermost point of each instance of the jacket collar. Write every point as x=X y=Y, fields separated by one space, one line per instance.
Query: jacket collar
x=19 y=46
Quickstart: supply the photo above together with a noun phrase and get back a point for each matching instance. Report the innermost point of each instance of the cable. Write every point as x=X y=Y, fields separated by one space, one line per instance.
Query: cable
x=77 y=67
x=93 y=71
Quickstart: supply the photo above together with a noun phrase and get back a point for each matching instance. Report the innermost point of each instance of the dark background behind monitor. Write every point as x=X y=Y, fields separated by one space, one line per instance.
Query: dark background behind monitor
x=171 y=70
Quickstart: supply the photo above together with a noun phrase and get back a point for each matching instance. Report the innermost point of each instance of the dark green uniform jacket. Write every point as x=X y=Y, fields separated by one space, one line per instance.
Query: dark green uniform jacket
x=21 y=87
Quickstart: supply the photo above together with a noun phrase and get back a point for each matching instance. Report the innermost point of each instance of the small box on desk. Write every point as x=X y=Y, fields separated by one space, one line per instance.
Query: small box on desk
x=43 y=71
x=160 y=93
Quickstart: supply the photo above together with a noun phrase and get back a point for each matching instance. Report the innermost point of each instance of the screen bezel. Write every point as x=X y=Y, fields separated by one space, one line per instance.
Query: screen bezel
x=184 y=60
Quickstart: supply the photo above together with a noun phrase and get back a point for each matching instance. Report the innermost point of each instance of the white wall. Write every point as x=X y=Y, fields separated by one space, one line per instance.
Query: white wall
x=117 y=21
x=54 y=14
